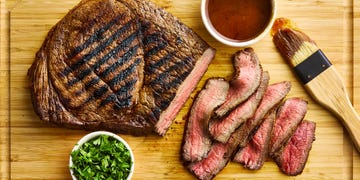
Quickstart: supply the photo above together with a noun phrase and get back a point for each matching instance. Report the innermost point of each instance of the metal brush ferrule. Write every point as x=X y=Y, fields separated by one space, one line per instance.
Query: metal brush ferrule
x=312 y=66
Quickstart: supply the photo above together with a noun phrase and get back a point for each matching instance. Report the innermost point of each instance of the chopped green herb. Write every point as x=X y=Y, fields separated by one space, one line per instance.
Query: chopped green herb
x=102 y=157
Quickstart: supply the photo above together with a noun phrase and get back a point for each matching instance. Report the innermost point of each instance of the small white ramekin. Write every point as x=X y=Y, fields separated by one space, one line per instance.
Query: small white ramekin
x=98 y=133
x=232 y=42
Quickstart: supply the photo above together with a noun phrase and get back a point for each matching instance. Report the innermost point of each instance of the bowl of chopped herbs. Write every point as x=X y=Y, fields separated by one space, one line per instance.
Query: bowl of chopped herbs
x=101 y=155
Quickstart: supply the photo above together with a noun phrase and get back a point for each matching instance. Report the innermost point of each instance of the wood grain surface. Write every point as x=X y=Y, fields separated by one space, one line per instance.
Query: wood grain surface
x=32 y=149
x=356 y=77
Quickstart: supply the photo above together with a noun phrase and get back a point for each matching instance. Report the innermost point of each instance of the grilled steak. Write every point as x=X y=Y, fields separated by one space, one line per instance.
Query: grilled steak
x=292 y=157
x=126 y=66
x=244 y=83
x=197 y=140
x=273 y=96
x=221 y=129
x=254 y=154
x=289 y=115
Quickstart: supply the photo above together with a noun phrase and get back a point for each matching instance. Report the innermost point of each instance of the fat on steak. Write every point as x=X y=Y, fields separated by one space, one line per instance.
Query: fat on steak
x=125 y=66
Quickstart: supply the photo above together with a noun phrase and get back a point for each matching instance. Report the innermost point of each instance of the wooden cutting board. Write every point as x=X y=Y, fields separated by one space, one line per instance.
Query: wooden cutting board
x=32 y=149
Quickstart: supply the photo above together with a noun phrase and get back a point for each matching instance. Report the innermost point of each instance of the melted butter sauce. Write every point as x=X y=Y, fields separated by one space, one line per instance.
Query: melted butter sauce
x=239 y=19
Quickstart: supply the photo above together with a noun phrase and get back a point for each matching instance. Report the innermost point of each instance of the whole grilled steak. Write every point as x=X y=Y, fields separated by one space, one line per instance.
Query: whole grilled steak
x=125 y=66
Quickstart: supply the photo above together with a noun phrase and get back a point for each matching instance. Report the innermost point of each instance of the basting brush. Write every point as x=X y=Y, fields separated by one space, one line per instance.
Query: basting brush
x=317 y=74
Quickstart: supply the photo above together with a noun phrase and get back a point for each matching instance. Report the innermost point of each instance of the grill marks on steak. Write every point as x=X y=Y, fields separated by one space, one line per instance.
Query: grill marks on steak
x=71 y=68
x=117 y=65
x=289 y=115
x=197 y=141
x=175 y=57
x=93 y=69
x=254 y=154
x=162 y=75
x=183 y=92
x=221 y=129
x=245 y=81
x=292 y=157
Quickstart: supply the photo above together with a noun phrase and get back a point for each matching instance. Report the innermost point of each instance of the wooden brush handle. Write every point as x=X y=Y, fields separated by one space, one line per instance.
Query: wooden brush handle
x=328 y=89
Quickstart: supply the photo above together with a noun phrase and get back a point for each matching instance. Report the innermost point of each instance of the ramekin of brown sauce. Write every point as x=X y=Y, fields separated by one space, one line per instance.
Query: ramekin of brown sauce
x=238 y=23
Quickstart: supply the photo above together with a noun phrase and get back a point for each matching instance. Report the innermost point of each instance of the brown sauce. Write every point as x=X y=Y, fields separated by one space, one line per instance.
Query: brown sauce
x=239 y=19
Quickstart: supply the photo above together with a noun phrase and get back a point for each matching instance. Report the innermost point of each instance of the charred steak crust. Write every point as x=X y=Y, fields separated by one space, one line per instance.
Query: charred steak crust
x=114 y=65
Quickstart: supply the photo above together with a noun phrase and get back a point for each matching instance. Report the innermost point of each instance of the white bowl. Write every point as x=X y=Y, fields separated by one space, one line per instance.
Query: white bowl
x=233 y=42
x=98 y=133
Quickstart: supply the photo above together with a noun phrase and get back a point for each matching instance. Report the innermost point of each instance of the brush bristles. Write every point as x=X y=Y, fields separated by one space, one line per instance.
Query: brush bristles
x=305 y=50
x=294 y=45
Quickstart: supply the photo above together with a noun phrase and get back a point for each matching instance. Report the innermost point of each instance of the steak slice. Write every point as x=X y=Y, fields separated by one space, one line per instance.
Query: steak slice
x=197 y=141
x=273 y=96
x=125 y=66
x=254 y=154
x=221 y=129
x=244 y=83
x=289 y=115
x=217 y=158
x=292 y=157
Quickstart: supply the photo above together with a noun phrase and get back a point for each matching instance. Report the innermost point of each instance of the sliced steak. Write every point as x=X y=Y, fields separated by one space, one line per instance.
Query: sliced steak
x=272 y=97
x=254 y=154
x=288 y=116
x=221 y=153
x=197 y=141
x=125 y=66
x=292 y=157
x=244 y=83
x=221 y=129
